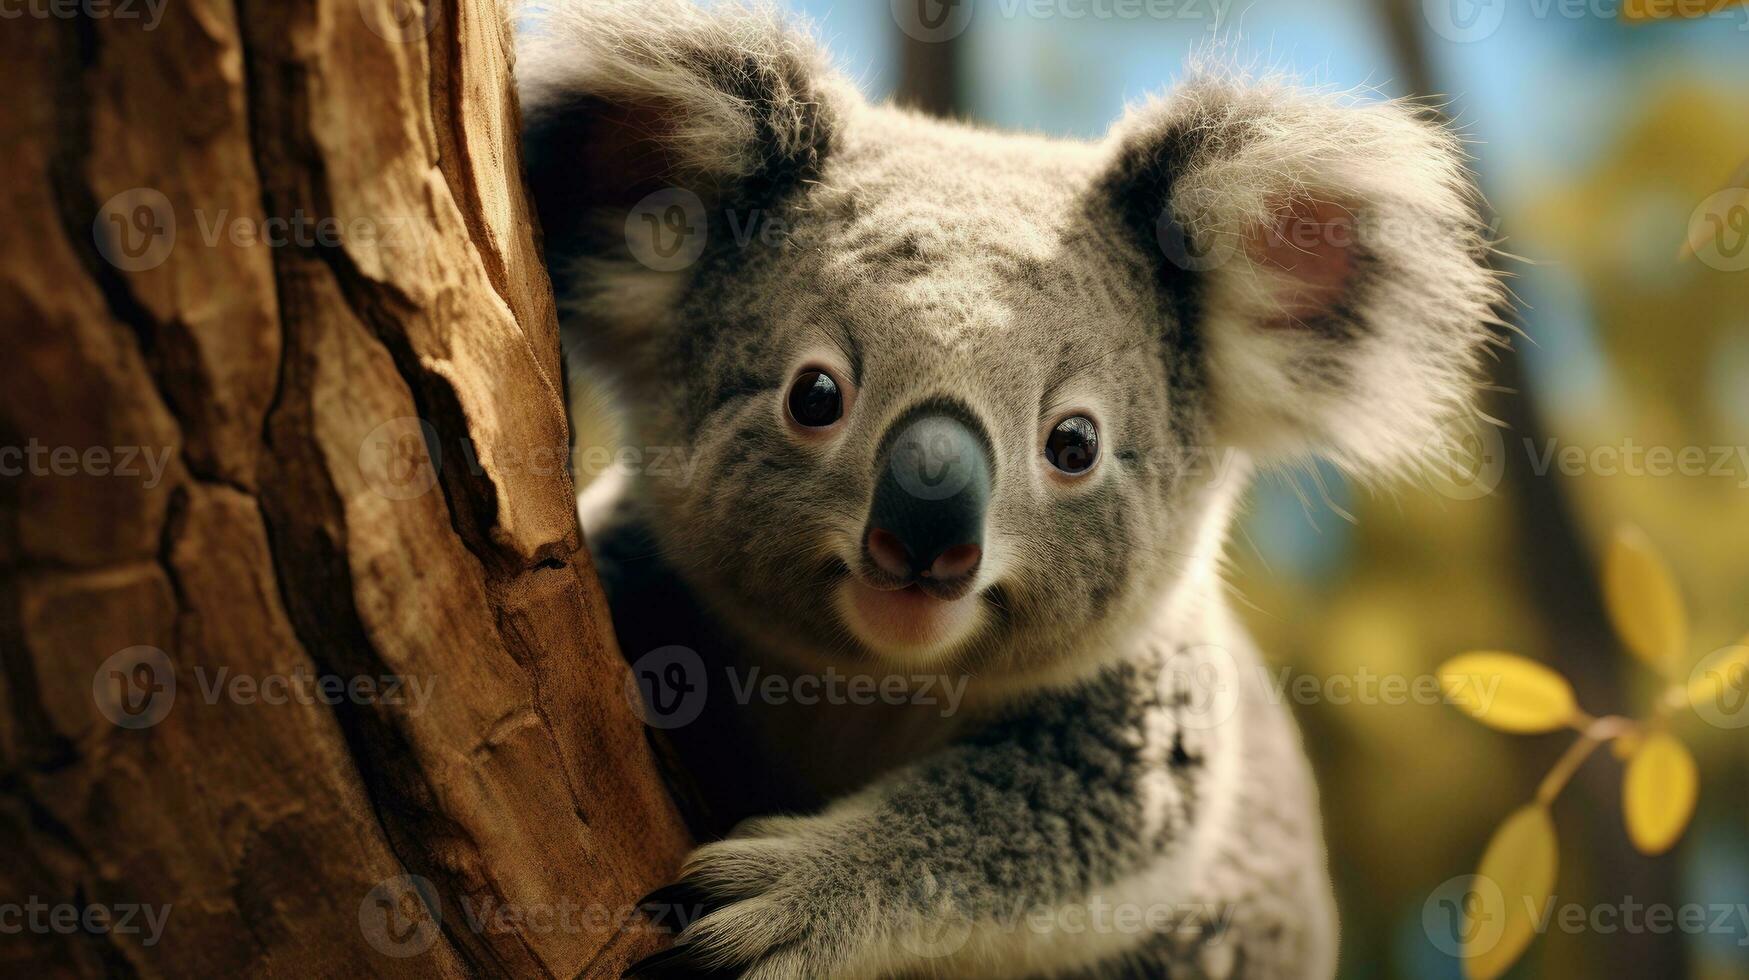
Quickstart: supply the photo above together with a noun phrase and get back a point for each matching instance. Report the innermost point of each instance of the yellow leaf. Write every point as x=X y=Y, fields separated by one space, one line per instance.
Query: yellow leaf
x=1508 y=692
x=1658 y=793
x=1521 y=862
x=1720 y=682
x=1643 y=601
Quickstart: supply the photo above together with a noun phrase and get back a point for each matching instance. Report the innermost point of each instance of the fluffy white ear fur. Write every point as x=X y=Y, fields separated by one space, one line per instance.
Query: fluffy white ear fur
x=1335 y=247
x=704 y=98
x=726 y=107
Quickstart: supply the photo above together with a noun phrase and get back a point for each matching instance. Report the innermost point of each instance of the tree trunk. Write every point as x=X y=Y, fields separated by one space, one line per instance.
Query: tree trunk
x=303 y=656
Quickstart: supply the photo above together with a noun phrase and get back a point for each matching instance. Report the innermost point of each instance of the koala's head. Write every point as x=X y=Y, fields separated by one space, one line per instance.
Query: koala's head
x=953 y=394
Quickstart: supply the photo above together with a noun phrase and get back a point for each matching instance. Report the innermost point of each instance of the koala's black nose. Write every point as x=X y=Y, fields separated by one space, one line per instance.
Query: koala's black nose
x=931 y=492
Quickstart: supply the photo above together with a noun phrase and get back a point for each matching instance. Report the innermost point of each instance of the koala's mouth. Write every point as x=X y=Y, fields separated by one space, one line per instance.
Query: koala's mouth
x=911 y=620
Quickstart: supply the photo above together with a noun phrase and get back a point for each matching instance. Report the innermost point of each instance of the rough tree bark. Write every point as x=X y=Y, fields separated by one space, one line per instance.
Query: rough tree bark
x=282 y=248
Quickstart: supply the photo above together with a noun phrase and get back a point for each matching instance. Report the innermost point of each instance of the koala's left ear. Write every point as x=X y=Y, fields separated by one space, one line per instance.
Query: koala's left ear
x=624 y=98
x=1323 y=260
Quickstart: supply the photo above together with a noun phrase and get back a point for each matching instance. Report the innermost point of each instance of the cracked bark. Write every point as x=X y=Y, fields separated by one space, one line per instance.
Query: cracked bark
x=338 y=283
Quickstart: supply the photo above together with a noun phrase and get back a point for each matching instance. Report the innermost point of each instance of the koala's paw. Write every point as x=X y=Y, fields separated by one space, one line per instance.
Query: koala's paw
x=777 y=901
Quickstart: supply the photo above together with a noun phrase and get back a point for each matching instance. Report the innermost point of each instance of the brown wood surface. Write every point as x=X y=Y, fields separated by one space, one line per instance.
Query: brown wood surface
x=283 y=246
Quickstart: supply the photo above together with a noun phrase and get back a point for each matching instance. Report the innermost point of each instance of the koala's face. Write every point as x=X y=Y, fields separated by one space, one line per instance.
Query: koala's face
x=949 y=395
x=931 y=412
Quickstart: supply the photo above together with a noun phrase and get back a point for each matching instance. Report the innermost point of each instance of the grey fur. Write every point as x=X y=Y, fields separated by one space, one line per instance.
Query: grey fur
x=1018 y=276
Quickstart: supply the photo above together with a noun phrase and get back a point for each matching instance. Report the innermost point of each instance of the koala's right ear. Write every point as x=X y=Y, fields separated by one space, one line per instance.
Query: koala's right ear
x=625 y=98
x=1322 y=261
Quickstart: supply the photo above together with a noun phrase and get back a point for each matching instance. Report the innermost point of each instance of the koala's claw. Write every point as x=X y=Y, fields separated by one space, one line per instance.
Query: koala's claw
x=673 y=907
x=766 y=905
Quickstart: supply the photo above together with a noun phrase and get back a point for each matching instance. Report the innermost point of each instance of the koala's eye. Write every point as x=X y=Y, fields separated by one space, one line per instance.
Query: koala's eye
x=815 y=400
x=1073 y=445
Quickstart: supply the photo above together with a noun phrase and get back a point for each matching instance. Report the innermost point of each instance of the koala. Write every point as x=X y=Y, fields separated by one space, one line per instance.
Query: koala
x=952 y=403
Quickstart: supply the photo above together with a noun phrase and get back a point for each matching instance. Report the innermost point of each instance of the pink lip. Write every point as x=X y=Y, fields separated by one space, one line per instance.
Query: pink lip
x=906 y=619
